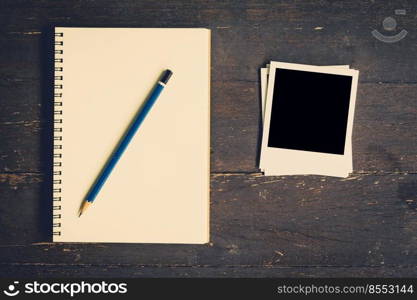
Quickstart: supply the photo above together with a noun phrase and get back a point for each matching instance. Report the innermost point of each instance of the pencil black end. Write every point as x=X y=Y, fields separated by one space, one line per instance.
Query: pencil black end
x=166 y=76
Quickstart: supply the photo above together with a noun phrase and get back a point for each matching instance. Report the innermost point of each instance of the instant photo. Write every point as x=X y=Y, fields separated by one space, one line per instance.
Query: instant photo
x=308 y=120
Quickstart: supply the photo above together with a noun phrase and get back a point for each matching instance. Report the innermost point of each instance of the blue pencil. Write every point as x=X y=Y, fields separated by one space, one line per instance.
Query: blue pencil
x=124 y=142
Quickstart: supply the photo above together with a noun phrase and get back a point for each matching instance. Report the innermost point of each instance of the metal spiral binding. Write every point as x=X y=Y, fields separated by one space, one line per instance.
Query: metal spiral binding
x=58 y=115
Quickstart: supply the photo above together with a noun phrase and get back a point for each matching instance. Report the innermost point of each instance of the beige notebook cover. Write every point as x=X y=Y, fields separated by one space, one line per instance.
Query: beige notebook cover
x=159 y=190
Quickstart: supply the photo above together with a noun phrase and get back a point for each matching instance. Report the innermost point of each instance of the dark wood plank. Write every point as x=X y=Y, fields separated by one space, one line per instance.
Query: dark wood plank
x=366 y=220
x=384 y=135
x=21 y=146
x=138 y=271
x=246 y=34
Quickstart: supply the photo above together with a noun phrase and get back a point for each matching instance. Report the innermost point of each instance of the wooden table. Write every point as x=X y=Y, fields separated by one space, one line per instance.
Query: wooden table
x=364 y=225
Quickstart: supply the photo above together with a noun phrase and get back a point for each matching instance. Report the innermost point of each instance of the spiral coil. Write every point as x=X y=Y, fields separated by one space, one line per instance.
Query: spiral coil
x=57 y=154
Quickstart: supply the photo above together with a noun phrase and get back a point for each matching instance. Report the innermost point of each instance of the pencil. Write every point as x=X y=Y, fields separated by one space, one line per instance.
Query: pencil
x=124 y=142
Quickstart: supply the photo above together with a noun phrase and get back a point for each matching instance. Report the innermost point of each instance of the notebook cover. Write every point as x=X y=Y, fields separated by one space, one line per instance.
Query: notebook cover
x=159 y=190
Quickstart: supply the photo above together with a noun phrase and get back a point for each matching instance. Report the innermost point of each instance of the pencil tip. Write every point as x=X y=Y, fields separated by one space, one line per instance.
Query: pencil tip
x=83 y=207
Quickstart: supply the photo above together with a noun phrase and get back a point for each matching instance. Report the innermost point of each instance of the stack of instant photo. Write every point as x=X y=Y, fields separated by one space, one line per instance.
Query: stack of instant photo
x=307 y=119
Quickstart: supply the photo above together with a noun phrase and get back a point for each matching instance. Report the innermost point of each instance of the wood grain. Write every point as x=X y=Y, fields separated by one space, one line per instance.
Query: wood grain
x=366 y=220
x=125 y=271
x=246 y=34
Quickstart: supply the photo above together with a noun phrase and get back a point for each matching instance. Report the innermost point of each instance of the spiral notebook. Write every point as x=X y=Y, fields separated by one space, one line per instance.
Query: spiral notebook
x=159 y=190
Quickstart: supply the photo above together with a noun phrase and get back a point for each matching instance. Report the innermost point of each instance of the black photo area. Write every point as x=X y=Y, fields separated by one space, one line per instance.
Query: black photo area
x=309 y=111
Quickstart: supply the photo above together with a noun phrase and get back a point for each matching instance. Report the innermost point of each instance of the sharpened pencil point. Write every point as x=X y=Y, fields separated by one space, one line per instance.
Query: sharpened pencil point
x=84 y=207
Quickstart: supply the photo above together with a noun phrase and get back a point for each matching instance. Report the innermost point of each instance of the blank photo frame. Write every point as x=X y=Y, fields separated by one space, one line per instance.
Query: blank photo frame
x=308 y=120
